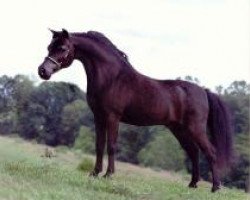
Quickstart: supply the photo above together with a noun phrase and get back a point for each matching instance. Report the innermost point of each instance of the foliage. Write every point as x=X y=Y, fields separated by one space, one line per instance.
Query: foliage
x=239 y=175
x=71 y=120
x=131 y=140
x=6 y=94
x=8 y=122
x=163 y=152
x=85 y=140
x=52 y=97
x=8 y=116
x=237 y=95
x=86 y=165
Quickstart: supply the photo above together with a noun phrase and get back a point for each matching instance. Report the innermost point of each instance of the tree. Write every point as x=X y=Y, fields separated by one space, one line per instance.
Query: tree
x=237 y=96
x=22 y=89
x=43 y=116
x=8 y=117
x=71 y=120
x=32 y=121
x=163 y=152
x=131 y=140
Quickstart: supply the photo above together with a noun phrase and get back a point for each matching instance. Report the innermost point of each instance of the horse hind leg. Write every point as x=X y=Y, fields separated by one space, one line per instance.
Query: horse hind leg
x=199 y=136
x=192 y=151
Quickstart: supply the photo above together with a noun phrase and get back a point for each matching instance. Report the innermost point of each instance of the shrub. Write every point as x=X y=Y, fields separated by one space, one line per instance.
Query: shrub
x=85 y=140
x=86 y=165
x=163 y=152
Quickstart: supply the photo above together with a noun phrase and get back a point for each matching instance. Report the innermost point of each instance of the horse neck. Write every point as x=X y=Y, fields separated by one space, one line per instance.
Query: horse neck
x=96 y=63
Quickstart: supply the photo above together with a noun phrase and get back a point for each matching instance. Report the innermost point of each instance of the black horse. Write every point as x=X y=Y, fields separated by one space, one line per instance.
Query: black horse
x=117 y=92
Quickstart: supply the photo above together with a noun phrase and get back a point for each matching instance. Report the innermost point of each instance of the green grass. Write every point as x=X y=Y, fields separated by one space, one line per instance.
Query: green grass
x=26 y=174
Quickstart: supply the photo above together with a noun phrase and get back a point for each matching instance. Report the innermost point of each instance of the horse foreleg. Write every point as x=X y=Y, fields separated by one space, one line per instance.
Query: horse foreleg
x=112 y=133
x=100 y=129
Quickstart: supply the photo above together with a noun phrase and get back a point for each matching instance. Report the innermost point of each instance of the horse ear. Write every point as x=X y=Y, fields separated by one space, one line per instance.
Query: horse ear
x=65 y=33
x=54 y=33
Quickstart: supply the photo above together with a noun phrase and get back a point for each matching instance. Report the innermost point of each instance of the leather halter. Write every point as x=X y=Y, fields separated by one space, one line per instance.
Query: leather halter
x=58 y=64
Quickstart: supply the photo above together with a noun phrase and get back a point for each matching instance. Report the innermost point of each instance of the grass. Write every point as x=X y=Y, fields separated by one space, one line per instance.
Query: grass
x=86 y=165
x=26 y=174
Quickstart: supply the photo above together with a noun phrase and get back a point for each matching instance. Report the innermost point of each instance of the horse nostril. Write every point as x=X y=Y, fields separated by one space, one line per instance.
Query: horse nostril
x=42 y=71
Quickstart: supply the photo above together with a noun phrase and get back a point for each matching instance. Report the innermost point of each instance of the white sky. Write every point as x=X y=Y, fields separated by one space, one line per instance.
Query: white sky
x=164 y=39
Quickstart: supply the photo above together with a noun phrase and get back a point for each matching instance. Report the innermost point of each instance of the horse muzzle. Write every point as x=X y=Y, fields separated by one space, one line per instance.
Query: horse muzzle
x=43 y=73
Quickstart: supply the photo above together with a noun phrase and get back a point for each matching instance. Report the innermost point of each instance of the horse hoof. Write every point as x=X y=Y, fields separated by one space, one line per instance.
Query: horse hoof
x=107 y=175
x=192 y=185
x=93 y=174
x=215 y=188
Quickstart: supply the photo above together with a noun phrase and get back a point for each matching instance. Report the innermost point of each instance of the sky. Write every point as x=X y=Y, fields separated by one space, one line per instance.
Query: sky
x=164 y=39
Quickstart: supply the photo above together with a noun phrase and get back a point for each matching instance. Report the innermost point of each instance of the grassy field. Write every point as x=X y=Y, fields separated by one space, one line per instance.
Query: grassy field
x=26 y=174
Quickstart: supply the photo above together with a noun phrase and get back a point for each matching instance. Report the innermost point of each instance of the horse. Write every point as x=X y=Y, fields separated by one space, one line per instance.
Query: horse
x=116 y=92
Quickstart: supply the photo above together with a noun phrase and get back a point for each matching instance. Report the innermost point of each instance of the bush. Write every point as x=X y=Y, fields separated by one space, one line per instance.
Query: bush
x=85 y=140
x=163 y=152
x=132 y=139
x=86 y=165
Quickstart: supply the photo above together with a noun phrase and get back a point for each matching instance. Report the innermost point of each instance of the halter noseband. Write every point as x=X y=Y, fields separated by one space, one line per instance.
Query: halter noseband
x=58 y=64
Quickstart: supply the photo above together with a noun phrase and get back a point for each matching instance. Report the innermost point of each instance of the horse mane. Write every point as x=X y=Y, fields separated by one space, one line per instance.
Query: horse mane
x=102 y=39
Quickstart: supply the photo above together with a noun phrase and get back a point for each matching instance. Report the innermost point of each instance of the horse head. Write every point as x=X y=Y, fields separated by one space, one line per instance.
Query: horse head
x=61 y=54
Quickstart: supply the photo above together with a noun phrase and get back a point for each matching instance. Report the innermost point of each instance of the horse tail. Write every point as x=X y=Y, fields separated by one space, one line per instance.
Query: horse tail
x=221 y=130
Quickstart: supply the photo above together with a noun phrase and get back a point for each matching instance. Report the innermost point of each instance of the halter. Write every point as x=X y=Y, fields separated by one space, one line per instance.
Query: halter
x=58 y=64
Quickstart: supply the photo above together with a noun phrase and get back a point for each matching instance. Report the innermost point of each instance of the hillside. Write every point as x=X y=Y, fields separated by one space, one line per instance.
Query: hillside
x=25 y=173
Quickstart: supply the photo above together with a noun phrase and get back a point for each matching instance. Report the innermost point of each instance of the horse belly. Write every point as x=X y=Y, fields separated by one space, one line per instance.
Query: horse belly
x=162 y=110
x=141 y=117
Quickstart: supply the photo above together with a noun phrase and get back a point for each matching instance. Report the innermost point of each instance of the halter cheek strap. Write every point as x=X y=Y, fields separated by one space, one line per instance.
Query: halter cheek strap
x=58 y=64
